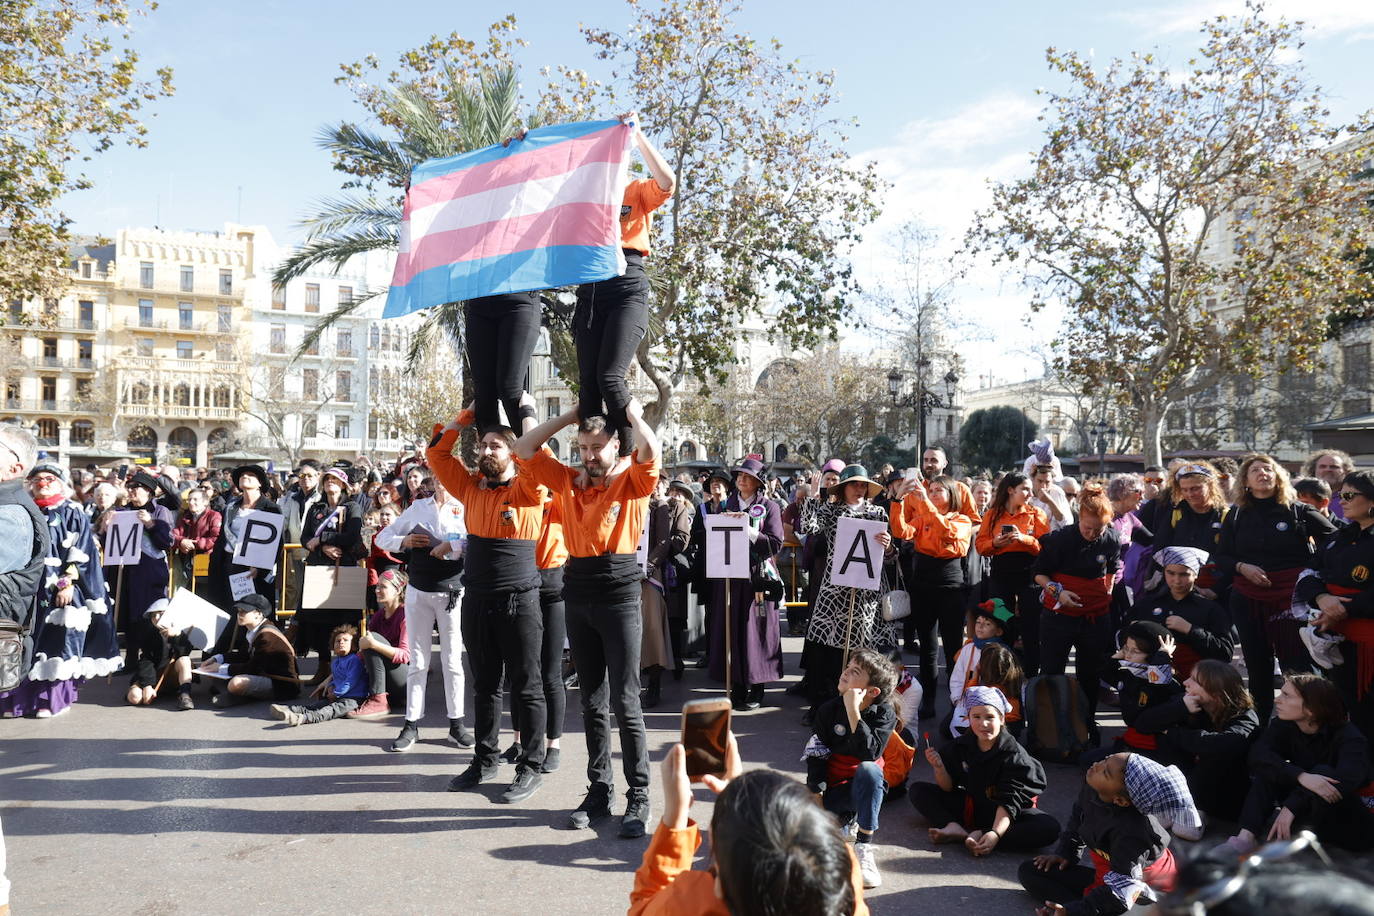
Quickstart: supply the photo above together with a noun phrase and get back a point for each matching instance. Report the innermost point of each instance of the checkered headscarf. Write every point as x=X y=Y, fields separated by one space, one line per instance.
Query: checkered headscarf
x=1160 y=790
x=984 y=696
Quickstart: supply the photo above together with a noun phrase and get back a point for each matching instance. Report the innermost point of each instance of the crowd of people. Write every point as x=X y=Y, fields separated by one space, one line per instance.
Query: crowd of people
x=547 y=575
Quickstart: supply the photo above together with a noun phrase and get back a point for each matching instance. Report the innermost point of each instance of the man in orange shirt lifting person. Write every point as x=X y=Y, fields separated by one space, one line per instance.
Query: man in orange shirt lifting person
x=602 y=523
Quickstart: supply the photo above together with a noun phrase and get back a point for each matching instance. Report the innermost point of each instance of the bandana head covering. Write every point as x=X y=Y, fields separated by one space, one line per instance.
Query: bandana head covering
x=1041 y=454
x=1161 y=791
x=984 y=696
x=1191 y=557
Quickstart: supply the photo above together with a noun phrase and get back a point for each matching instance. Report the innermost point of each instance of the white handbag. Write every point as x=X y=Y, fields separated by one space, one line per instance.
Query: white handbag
x=896 y=604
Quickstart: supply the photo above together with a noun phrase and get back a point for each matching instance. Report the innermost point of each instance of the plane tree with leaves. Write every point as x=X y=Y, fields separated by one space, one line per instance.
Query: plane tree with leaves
x=1190 y=223
x=70 y=88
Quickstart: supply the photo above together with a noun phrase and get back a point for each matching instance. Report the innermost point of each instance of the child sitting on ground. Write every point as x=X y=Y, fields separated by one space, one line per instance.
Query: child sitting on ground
x=151 y=649
x=1144 y=680
x=341 y=692
x=998 y=667
x=992 y=623
x=1122 y=817
x=844 y=756
x=772 y=849
x=985 y=784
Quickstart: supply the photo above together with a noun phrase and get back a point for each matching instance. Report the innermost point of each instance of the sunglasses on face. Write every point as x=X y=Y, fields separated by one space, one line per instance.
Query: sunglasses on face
x=1348 y=495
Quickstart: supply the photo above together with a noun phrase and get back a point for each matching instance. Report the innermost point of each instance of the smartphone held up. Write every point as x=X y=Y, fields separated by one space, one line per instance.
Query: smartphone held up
x=705 y=737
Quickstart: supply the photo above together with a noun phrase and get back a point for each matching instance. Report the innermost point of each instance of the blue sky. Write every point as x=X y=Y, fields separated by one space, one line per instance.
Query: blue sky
x=944 y=94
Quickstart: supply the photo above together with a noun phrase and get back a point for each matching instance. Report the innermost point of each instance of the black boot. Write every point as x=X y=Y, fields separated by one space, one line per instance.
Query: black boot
x=739 y=697
x=654 y=692
x=754 y=696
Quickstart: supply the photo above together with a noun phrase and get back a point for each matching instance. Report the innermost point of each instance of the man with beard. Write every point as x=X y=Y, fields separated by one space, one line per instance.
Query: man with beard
x=603 y=517
x=502 y=625
x=1330 y=465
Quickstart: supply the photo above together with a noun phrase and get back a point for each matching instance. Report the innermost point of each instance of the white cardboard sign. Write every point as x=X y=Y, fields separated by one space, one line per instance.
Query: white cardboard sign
x=727 y=547
x=261 y=539
x=856 y=559
x=642 y=551
x=123 y=539
x=199 y=619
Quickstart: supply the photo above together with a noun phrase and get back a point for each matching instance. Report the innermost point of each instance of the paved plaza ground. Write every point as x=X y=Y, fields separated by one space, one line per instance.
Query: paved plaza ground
x=110 y=809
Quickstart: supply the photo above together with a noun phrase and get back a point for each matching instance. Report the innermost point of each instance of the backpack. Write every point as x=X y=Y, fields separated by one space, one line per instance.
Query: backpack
x=1056 y=718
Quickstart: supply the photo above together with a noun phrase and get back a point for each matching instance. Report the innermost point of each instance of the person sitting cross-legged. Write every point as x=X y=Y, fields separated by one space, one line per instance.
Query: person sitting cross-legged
x=267 y=670
x=340 y=693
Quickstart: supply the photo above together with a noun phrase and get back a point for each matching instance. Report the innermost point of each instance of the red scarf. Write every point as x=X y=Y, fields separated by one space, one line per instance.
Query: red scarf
x=1359 y=631
x=1094 y=596
x=47 y=502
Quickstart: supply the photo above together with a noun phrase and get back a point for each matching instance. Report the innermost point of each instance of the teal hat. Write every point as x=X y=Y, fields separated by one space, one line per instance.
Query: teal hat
x=855 y=473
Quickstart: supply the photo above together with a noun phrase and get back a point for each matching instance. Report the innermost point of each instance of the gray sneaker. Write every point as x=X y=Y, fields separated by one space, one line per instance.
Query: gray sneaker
x=405 y=740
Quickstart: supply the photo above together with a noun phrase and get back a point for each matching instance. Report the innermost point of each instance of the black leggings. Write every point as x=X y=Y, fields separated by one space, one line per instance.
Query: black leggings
x=1031 y=829
x=609 y=324
x=1022 y=598
x=1062 y=887
x=500 y=335
x=936 y=608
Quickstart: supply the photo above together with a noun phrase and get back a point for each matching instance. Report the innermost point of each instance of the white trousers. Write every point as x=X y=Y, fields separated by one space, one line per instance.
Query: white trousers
x=423 y=611
x=4 y=882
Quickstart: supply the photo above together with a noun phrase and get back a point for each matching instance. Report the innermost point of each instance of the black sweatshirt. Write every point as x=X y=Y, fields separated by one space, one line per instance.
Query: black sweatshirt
x=866 y=741
x=1065 y=552
x=1187 y=737
x=1284 y=752
x=1128 y=838
x=1006 y=775
x=1346 y=561
x=1211 y=636
x=1271 y=536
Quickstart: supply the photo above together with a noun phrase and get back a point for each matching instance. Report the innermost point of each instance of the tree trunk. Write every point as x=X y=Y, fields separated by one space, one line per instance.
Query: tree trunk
x=657 y=412
x=1152 y=420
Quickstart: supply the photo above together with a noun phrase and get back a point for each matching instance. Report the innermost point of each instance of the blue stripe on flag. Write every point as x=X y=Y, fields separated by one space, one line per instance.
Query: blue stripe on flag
x=536 y=139
x=542 y=268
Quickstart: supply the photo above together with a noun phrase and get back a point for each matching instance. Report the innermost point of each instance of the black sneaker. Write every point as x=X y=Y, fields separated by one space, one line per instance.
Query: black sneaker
x=460 y=734
x=551 y=760
x=636 y=814
x=513 y=753
x=473 y=776
x=527 y=782
x=405 y=740
x=595 y=805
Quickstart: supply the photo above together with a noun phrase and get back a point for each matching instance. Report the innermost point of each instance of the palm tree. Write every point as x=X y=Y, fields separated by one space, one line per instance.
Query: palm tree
x=467 y=113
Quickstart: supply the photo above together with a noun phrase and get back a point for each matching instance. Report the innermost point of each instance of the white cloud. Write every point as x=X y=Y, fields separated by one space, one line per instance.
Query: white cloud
x=939 y=170
x=1325 y=18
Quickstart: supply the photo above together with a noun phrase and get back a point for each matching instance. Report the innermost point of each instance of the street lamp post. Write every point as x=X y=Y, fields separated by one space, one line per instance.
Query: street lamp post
x=1101 y=430
x=921 y=399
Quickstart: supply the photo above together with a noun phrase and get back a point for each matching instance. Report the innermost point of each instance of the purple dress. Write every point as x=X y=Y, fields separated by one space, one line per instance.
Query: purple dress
x=756 y=647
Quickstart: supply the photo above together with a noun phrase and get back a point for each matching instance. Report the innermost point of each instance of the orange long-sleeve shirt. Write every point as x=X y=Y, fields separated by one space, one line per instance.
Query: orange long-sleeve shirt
x=944 y=537
x=642 y=198
x=598 y=521
x=512 y=511
x=1030 y=522
x=665 y=884
x=552 y=551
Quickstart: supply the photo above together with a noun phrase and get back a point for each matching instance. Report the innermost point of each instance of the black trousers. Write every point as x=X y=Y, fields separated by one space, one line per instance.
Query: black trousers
x=936 y=608
x=504 y=634
x=609 y=323
x=500 y=334
x=605 y=638
x=1021 y=597
x=1347 y=823
x=550 y=655
x=1031 y=829
x=1258 y=653
x=1061 y=887
x=1091 y=638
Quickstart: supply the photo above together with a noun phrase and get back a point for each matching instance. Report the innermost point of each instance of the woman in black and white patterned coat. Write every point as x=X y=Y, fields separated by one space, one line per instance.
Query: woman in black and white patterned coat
x=826 y=634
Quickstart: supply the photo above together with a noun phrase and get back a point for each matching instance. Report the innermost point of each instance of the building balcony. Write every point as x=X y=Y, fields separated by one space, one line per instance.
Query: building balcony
x=174 y=288
x=79 y=325
x=172 y=364
x=175 y=327
x=48 y=406
x=331 y=444
x=76 y=363
x=179 y=412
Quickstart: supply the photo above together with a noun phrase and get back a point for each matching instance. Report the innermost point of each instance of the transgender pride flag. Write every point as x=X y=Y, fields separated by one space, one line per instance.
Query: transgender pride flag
x=541 y=213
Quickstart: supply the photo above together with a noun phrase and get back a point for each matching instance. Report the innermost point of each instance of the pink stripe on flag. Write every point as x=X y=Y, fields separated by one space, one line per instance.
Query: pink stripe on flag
x=571 y=224
x=603 y=146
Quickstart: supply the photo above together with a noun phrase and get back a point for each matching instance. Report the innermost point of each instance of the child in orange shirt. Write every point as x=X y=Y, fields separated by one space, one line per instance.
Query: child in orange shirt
x=769 y=839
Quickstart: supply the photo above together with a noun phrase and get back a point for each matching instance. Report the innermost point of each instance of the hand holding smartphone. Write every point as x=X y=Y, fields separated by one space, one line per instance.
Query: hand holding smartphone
x=705 y=737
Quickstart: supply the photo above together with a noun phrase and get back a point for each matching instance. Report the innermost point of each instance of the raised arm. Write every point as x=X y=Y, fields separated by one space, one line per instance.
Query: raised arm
x=646 y=442
x=658 y=166
x=534 y=439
